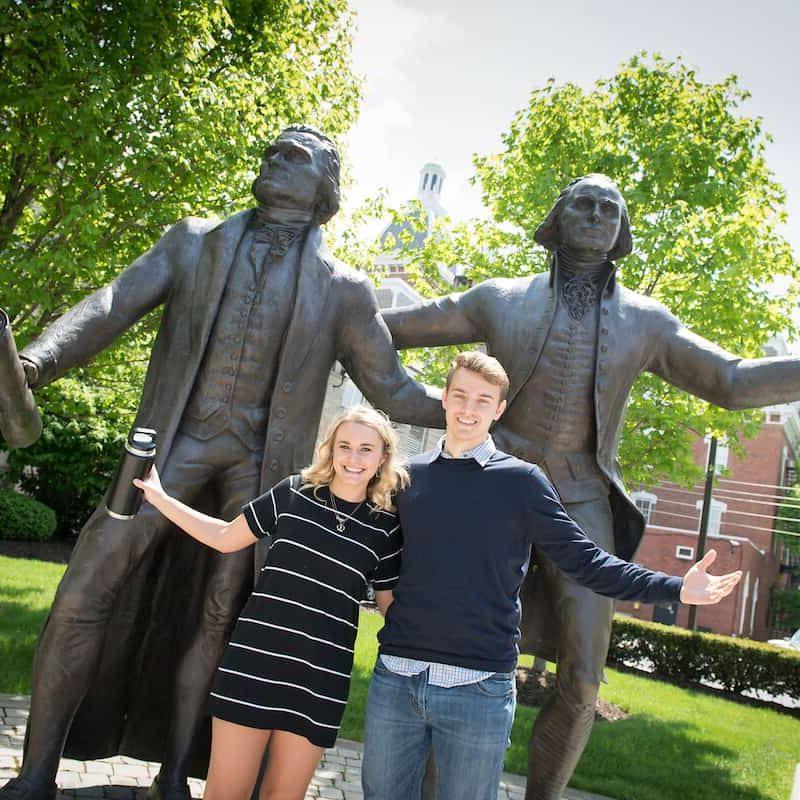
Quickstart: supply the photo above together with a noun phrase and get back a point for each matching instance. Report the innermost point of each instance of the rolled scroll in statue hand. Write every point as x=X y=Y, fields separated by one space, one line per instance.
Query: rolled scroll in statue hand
x=20 y=423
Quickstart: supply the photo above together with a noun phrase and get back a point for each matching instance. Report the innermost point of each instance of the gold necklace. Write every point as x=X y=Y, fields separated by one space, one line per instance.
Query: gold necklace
x=341 y=519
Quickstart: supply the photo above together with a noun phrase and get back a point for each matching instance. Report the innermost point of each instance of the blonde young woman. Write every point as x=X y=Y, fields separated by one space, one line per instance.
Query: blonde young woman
x=284 y=679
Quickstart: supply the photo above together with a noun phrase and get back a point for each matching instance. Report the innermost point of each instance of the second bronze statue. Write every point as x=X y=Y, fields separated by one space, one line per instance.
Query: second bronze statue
x=573 y=341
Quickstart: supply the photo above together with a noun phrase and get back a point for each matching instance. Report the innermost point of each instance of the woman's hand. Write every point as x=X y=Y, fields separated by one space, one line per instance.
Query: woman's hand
x=150 y=485
x=701 y=589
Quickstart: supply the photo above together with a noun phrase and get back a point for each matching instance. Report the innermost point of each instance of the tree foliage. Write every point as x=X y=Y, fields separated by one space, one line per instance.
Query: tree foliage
x=119 y=118
x=705 y=212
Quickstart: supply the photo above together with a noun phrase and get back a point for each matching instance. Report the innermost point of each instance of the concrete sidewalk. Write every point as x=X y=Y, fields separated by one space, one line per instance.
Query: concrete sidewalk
x=337 y=778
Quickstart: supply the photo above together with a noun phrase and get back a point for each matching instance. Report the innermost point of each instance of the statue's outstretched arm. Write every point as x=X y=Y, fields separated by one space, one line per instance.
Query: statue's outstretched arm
x=367 y=353
x=454 y=319
x=700 y=367
x=96 y=321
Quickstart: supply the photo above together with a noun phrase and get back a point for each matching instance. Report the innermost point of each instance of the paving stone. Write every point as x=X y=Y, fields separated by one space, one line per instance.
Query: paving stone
x=126 y=778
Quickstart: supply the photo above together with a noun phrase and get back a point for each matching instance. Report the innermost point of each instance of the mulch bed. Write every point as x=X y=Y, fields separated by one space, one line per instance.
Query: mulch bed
x=56 y=550
x=533 y=689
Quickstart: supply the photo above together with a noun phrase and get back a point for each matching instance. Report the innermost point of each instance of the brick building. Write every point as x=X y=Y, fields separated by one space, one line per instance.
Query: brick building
x=743 y=520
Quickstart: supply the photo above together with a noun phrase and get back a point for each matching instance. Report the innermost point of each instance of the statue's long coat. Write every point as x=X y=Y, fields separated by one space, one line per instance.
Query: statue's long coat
x=335 y=316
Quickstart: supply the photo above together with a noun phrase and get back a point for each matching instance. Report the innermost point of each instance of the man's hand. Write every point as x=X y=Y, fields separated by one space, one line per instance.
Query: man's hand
x=701 y=589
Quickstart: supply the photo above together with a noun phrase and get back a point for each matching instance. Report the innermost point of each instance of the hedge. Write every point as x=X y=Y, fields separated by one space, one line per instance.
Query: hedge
x=22 y=517
x=679 y=656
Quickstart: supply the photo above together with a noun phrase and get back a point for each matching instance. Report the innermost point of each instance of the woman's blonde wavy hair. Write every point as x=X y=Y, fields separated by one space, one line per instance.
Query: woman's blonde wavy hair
x=391 y=475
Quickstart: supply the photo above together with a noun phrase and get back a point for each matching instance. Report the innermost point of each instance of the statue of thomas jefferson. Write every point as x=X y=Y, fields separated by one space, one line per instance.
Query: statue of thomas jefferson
x=255 y=313
x=573 y=342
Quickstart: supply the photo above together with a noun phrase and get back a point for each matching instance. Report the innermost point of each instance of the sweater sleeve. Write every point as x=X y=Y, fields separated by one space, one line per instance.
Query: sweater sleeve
x=567 y=546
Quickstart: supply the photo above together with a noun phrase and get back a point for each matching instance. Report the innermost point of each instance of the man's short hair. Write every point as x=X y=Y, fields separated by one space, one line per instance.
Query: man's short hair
x=329 y=191
x=488 y=367
x=548 y=234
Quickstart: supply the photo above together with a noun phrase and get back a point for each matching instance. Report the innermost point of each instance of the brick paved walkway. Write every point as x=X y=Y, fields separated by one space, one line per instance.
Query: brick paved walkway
x=122 y=778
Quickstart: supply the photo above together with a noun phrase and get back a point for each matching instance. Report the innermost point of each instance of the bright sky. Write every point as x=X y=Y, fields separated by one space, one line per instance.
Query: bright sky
x=444 y=78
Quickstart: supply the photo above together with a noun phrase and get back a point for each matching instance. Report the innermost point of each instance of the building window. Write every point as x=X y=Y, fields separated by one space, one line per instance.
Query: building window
x=718 y=508
x=721 y=460
x=684 y=552
x=425 y=182
x=774 y=417
x=645 y=502
x=385 y=298
x=410 y=439
x=433 y=183
x=351 y=395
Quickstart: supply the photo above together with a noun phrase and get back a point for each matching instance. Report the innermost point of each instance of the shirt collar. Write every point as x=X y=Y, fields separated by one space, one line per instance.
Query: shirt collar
x=480 y=453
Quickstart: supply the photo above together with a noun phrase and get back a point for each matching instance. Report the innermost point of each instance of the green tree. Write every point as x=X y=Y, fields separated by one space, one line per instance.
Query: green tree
x=705 y=211
x=118 y=119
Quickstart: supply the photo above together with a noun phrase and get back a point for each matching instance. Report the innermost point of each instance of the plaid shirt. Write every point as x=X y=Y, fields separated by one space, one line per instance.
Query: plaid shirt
x=445 y=675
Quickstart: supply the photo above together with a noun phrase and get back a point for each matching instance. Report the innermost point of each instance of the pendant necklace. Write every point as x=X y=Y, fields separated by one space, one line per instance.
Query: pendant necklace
x=340 y=517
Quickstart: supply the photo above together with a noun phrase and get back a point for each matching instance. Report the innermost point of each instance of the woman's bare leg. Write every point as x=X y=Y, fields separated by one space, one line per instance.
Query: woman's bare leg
x=236 y=753
x=291 y=763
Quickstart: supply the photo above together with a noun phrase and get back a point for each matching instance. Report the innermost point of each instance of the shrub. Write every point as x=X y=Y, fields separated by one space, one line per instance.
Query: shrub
x=681 y=656
x=71 y=465
x=22 y=517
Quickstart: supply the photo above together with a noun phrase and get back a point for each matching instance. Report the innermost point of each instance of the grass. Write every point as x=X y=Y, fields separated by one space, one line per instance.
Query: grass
x=676 y=744
x=26 y=592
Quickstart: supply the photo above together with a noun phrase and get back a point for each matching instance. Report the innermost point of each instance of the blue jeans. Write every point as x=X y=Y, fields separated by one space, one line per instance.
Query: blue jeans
x=466 y=726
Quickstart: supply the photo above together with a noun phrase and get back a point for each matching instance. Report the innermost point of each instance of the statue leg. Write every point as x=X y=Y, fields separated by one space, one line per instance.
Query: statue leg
x=563 y=726
x=228 y=587
x=71 y=642
x=72 y=638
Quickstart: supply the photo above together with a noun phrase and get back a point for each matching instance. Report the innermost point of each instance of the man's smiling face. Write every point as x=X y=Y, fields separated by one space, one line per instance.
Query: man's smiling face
x=471 y=404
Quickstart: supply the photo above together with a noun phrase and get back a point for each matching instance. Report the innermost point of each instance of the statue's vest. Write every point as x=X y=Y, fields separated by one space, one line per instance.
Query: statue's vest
x=557 y=403
x=235 y=380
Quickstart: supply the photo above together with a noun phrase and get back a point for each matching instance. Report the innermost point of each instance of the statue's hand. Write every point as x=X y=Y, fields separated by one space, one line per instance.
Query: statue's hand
x=701 y=589
x=31 y=371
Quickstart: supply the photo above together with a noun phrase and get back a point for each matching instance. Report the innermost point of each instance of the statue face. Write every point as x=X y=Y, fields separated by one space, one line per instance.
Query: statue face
x=591 y=217
x=291 y=173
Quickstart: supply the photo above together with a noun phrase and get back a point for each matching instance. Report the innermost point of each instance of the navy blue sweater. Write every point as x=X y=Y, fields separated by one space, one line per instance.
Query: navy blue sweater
x=467 y=537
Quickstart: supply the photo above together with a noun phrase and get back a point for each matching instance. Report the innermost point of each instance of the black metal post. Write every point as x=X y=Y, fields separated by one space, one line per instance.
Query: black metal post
x=703 y=532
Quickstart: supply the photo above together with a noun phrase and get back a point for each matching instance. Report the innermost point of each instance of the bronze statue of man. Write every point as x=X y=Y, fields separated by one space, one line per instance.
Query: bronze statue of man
x=255 y=313
x=573 y=342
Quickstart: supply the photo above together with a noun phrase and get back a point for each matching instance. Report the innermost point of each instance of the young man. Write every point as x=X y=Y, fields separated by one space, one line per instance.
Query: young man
x=444 y=680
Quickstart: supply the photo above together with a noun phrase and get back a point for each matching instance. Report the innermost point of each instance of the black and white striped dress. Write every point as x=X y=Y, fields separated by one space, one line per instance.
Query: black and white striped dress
x=288 y=663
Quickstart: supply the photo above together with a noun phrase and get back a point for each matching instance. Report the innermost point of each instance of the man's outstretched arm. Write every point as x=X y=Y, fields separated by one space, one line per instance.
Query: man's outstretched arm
x=568 y=547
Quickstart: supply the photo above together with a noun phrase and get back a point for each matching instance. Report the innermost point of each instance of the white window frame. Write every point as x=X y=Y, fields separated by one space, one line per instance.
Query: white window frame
x=721 y=460
x=351 y=394
x=718 y=508
x=684 y=552
x=646 y=498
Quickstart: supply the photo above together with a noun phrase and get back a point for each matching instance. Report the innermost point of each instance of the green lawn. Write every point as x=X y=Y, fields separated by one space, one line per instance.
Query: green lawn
x=26 y=591
x=676 y=745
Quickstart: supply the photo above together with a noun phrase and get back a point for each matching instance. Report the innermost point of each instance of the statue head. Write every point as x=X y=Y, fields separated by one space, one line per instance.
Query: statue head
x=589 y=215
x=300 y=170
